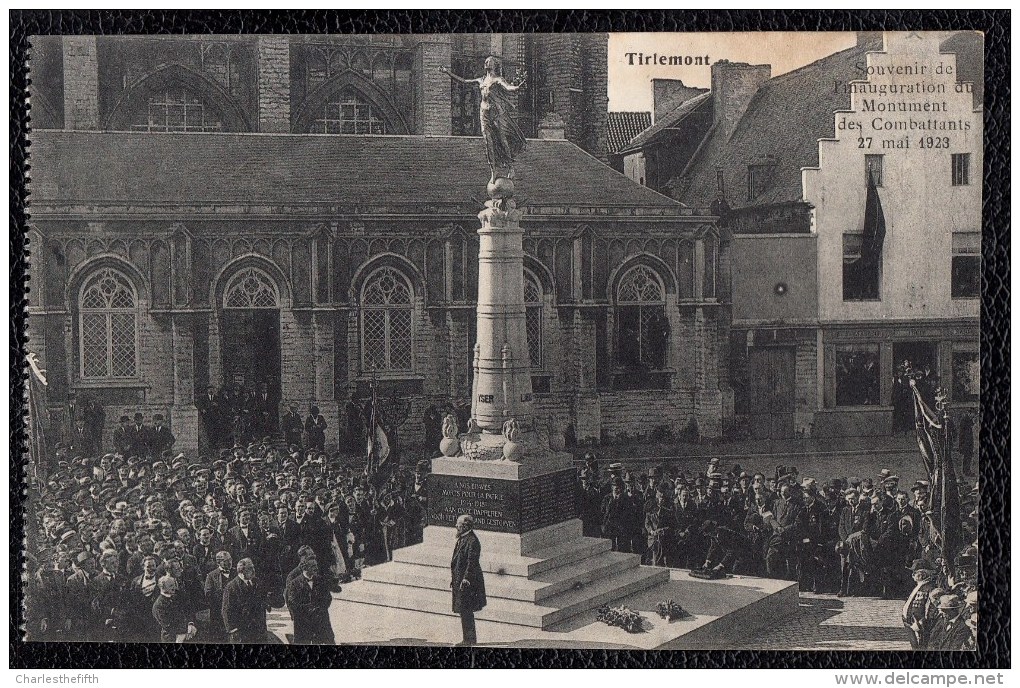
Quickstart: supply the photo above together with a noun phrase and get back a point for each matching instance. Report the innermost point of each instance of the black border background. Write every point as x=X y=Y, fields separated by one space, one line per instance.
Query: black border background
x=994 y=637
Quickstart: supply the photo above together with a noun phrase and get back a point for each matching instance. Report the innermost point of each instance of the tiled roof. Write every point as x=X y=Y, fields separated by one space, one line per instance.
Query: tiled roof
x=621 y=127
x=99 y=168
x=671 y=120
x=782 y=125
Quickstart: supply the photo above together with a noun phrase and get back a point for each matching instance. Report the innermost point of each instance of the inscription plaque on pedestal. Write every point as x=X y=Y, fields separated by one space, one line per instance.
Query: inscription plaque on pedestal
x=505 y=506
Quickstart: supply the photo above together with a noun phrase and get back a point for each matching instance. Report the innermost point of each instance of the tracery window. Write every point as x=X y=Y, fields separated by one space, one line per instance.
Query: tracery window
x=251 y=288
x=642 y=328
x=349 y=113
x=387 y=322
x=533 y=317
x=176 y=108
x=108 y=327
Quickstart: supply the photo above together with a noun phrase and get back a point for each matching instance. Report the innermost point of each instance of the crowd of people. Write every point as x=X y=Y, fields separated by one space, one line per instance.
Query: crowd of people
x=142 y=544
x=845 y=536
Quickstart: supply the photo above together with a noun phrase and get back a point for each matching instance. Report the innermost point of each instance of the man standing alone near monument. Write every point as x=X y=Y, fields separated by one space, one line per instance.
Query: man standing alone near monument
x=466 y=578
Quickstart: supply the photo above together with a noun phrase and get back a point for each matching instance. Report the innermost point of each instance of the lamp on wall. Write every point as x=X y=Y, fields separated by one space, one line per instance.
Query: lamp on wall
x=780 y=289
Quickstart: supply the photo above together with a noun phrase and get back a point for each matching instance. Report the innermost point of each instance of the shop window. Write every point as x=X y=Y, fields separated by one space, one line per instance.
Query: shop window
x=858 y=375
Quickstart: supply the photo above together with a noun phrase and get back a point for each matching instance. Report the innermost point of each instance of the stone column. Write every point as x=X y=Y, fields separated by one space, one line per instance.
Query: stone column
x=81 y=83
x=323 y=339
x=274 y=83
x=183 y=414
x=502 y=381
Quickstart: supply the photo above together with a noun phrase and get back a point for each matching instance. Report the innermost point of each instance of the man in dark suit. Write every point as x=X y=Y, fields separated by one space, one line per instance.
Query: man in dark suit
x=292 y=426
x=786 y=522
x=106 y=590
x=82 y=442
x=264 y=412
x=467 y=581
x=172 y=614
x=160 y=437
x=122 y=437
x=209 y=414
x=243 y=540
x=215 y=583
x=308 y=598
x=138 y=437
x=245 y=604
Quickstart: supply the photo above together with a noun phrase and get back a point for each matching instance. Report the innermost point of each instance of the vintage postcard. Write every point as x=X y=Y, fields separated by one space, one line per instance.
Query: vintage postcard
x=625 y=341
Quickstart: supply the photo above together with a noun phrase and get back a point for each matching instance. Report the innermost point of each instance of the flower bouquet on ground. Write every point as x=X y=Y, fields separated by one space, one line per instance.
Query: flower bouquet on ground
x=671 y=610
x=623 y=617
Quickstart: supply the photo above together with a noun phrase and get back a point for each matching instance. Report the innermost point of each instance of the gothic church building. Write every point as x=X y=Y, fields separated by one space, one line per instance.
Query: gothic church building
x=300 y=211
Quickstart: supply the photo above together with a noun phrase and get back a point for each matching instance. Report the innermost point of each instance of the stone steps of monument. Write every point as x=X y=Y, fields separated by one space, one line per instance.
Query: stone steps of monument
x=535 y=589
x=530 y=564
x=550 y=611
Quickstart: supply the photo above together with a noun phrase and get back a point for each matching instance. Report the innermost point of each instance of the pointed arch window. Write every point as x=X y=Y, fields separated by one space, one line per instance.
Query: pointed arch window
x=176 y=108
x=251 y=288
x=533 y=305
x=108 y=327
x=642 y=327
x=387 y=322
x=348 y=112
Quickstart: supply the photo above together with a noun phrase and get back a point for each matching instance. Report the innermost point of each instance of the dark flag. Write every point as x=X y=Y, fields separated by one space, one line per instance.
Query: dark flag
x=935 y=443
x=874 y=227
x=861 y=275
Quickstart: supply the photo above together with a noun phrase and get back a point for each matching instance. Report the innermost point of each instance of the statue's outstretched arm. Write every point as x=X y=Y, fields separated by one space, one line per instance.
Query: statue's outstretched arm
x=460 y=79
x=510 y=87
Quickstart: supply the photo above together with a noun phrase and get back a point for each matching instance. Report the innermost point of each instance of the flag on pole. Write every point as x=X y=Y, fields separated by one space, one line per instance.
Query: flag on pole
x=36 y=383
x=935 y=442
x=378 y=446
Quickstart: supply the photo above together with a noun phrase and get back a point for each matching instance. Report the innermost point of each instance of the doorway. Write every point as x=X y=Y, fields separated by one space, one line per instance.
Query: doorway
x=917 y=361
x=251 y=348
x=772 y=372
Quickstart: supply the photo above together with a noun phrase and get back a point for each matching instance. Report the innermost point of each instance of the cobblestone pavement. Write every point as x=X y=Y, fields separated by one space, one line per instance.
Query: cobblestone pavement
x=827 y=622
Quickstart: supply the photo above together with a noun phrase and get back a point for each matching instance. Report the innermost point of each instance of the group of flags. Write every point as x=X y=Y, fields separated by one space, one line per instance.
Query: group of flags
x=935 y=439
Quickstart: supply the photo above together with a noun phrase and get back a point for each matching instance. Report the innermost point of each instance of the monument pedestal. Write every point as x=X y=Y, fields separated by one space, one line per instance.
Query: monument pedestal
x=539 y=569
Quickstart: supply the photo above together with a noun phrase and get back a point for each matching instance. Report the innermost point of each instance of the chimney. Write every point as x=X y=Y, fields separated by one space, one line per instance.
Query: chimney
x=669 y=94
x=733 y=86
x=871 y=40
x=552 y=126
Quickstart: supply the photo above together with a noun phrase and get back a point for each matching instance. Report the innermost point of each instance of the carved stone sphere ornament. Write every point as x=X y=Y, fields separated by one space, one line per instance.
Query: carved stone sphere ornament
x=512 y=451
x=449 y=445
x=501 y=188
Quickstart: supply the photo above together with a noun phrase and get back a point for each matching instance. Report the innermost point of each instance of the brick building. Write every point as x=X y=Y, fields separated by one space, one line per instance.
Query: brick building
x=806 y=357
x=301 y=212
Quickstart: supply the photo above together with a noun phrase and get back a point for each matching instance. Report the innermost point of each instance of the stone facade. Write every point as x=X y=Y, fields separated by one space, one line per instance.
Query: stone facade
x=180 y=255
x=279 y=84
